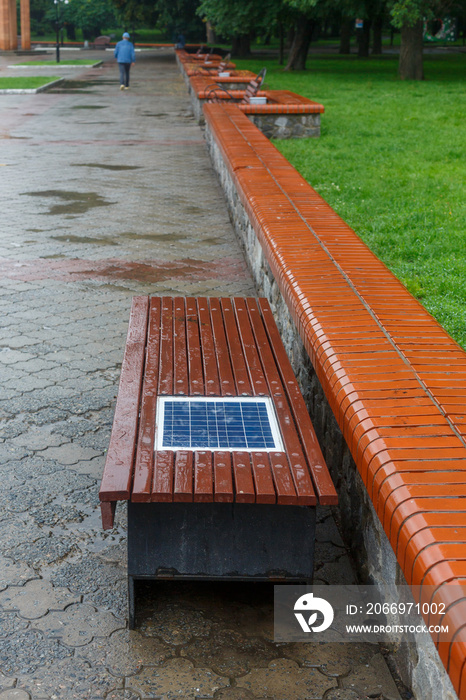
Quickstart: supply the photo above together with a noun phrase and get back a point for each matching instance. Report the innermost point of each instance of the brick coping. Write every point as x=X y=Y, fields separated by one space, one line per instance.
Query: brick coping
x=394 y=378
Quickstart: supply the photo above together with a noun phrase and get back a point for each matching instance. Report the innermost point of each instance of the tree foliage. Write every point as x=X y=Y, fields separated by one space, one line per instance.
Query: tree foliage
x=39 y=23
x=232 y=18
x=181 y=16
x=134 y=13
x=88 y=15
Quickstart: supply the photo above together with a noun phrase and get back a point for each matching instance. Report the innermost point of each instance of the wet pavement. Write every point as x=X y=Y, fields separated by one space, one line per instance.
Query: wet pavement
x=108 y=194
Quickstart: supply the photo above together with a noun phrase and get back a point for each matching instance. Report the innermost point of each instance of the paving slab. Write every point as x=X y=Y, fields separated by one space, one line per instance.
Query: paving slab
x=109 y=194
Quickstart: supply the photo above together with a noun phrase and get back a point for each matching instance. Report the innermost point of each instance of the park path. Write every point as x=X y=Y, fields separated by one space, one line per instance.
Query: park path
x=106 y=194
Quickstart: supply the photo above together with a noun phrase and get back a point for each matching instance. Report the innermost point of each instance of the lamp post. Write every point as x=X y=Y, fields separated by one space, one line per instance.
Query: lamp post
x=58 y=26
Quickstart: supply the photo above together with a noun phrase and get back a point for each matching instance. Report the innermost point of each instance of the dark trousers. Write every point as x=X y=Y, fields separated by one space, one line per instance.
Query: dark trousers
x=124 y=73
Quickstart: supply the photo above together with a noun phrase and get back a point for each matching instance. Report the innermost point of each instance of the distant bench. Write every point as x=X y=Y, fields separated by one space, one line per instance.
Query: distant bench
x=285 y=115
x=393 y=377
x=216 y=491
x=101 y=42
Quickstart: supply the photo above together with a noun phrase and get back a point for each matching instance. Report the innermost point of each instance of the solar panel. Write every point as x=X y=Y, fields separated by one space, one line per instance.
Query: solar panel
x=207 y=423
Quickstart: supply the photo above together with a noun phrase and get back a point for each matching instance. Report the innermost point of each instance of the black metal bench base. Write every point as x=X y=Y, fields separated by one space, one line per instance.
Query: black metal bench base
x=219 y=541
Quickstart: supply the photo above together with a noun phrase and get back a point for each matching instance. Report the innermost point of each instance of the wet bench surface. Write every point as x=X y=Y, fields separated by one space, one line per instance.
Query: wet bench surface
x=226 y=512
x=394 y=378
x=208 y=347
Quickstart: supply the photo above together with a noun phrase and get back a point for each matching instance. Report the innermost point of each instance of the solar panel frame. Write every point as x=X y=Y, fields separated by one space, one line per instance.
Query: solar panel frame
x=236 y=433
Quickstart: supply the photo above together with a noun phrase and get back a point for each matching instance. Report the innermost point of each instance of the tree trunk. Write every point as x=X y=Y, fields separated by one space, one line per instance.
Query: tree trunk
x=377 y=27
x=241 y=46
x=210 y=33
x=290 y=37
x=345 y=35
x=281 y=52
x=70 y=31
x=300 y=46
x=410 y=66
x=364 y=39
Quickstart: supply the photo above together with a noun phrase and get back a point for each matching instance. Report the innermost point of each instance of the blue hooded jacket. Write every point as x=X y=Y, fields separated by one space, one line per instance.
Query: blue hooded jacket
x=124 y=52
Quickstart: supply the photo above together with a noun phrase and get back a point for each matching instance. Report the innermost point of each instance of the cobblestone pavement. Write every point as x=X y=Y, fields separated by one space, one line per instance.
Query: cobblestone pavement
x=107 y=194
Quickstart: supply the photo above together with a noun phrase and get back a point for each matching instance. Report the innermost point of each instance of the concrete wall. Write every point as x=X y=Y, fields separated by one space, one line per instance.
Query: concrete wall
x=419 y=665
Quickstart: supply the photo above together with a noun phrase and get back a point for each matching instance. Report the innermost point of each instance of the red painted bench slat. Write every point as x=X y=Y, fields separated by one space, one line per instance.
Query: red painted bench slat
x=166 y=348
x=223 y=478
x=180 y=352
x=209 y=359
x=240 y=372
x=203 y=482
x=263 y=480
x=227 y=382
x=162 y=487
x=244 y=485
x=145 y=449
x=196 y=377
x=183 y=486
x=118 y=471
x=249 y=349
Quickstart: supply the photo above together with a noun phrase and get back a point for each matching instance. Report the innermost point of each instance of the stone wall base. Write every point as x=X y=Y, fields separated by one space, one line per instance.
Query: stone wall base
x=287 y=126
x=418 y=664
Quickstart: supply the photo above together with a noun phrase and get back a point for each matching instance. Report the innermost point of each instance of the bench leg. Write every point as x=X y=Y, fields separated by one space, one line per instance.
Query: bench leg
x=131 y=604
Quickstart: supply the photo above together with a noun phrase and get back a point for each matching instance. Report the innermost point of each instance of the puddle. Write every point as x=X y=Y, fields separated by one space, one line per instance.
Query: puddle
x=211 y=241
x=84 y=239
x=160 y=114
x=77 y=202
x=52 y=257
x=194 y=210
x=74 y=85
x=172 y=237
x=57 y=91
x=89 y=107
x=105 y=166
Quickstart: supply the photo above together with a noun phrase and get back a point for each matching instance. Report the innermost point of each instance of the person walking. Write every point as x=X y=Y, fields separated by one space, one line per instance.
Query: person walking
x=125 y=55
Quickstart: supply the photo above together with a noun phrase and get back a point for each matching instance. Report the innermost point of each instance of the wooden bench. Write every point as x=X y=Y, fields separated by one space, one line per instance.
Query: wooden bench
x=215 y=67
x=285 y=114
x=216 y=93
x=192 y=510
x=101 y=42
x=395 y=380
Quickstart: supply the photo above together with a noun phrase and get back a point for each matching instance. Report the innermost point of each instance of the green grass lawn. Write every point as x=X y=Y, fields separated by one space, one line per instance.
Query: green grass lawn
x=65 y=62
x=391 y=161
x=26 y=82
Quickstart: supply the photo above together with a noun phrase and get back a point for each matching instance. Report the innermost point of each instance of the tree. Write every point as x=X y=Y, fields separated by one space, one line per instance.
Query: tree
x=88 y=15
x=239 y=20
x=409 y=17
x=133 y=13
x=40 y=23
x=180 y=16
x=304 y=15
x=308 y=16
